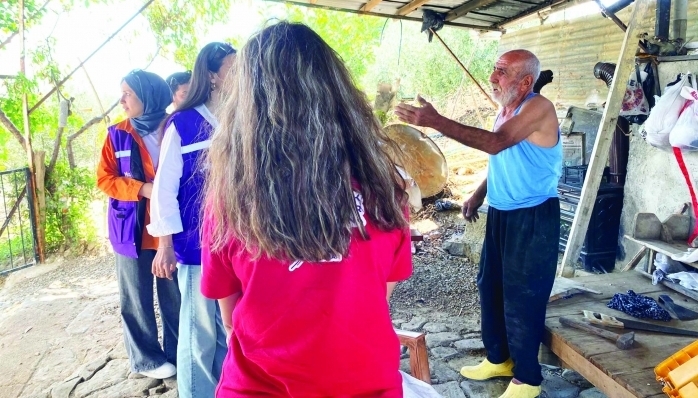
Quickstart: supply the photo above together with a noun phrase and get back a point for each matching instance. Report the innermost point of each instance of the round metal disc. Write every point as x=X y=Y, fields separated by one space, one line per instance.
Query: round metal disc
x=421 y=158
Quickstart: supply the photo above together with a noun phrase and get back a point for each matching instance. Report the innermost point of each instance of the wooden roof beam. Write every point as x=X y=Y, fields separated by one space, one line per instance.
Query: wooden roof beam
x=466 y=8
x=370 y=5
x=411 y=7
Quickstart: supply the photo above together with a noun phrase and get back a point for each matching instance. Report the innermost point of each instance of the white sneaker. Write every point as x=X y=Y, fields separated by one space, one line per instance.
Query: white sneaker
x=161 y=372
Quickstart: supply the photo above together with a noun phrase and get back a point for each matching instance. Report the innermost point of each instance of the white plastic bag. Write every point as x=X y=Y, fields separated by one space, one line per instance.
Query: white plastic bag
x=684 y=135
x=635 y=102
x=665 y=113
x=415 y=388
x=689 y=280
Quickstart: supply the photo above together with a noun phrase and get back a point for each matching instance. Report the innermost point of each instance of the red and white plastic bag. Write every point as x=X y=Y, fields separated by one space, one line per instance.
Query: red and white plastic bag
x=666 y=113
x=684 y=135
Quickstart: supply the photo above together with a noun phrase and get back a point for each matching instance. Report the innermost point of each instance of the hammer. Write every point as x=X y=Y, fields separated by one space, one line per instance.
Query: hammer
x=623 y=341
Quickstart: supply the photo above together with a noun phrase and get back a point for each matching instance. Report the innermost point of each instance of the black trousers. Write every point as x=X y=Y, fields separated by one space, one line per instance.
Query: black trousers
x=517 y=271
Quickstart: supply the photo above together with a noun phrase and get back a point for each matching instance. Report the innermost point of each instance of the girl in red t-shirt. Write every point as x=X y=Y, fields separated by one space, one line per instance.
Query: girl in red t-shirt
x=304 y=233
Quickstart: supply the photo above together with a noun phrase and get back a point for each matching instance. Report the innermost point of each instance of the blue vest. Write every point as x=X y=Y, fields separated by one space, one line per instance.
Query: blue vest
x=126 y=218
x=195 y=133
x=524 y=175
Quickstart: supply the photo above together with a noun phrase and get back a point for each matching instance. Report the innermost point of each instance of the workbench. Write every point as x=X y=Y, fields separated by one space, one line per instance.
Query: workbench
x=617 y=373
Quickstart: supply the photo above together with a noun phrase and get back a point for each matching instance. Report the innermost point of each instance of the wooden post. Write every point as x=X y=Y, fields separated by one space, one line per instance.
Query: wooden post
x=39 y=177
x=599 y=156
x=30 y=152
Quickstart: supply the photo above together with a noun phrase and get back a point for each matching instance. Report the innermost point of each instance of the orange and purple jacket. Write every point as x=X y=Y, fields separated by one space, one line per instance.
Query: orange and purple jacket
x=111 y=182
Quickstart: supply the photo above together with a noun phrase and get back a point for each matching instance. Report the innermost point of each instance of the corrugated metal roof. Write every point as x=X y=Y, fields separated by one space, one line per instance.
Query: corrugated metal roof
x=475 y=14
x=571 y=47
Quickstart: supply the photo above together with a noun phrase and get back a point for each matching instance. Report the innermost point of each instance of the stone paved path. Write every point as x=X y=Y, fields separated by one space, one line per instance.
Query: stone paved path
x=60 y=337
x=455 y=342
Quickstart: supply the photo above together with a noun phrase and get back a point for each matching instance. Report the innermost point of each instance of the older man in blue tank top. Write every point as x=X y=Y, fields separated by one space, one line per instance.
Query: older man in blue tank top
x=519 y=255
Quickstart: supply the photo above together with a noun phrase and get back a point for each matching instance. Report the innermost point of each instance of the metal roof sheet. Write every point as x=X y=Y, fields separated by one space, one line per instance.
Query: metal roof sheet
x=474 y=14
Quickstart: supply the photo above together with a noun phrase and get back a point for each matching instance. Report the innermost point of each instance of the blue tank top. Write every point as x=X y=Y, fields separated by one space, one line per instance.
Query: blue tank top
x=524 y=175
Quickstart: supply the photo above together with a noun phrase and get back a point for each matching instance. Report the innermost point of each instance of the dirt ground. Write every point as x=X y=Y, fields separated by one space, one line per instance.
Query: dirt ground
x=439 y=282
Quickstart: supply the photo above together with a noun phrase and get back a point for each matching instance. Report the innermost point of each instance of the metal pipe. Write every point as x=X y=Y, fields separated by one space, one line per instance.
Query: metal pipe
x=661 y=26
x=680 y=13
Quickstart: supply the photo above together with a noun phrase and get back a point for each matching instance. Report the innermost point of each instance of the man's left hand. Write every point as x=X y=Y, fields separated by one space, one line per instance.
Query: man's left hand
x=425 y=115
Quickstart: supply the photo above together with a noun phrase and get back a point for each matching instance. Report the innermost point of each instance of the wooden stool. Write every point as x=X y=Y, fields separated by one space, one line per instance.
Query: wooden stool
x=417 y=348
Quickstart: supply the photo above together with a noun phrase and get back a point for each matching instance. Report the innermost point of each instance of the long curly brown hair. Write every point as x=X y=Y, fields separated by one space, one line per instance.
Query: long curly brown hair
x=294 y=133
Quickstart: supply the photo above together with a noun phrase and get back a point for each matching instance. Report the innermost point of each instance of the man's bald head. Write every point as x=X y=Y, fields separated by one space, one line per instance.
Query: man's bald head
x=525 y=62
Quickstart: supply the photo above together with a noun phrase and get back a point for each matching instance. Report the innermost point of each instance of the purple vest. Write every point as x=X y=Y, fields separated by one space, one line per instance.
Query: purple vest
x=195 y=133
x=126 y=218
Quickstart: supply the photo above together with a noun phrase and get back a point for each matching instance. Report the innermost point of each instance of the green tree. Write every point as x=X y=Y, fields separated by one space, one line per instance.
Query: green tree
x=177 y=23
x=427 y=68
x=70 y=180
x=354 y=37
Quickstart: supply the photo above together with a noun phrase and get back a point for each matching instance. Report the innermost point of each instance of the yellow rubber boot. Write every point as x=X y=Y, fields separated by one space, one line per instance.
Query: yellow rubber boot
x=487 y=370
x=521 y=391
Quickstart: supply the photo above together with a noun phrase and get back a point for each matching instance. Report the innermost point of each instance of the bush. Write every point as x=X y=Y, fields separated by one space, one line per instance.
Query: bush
x=69 y=195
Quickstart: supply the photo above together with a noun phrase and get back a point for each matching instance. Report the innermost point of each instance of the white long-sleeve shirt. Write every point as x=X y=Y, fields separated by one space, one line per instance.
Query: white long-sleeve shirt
x=165 y=218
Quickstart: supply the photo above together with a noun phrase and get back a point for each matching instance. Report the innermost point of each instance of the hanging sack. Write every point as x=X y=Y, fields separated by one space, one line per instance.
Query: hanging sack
x=665 y=113
x=684 y=135
x=635 y=103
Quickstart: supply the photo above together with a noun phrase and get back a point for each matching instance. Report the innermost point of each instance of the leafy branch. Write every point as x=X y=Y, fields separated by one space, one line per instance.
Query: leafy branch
x=14 y=32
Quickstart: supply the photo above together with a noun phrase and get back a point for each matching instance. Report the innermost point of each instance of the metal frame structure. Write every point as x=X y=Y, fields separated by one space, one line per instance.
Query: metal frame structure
x=484 y=15
x=17 y=219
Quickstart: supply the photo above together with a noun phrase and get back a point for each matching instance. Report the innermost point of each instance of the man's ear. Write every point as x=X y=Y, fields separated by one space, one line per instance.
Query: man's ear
x=528 y=81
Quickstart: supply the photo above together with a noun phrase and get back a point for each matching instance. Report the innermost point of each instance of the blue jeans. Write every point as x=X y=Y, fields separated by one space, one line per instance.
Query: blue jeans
x=138 y=312
x=202 y=339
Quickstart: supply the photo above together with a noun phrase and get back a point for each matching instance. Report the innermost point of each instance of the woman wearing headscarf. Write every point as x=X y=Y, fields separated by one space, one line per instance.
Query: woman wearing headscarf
x=176 y=206
x=126 y=171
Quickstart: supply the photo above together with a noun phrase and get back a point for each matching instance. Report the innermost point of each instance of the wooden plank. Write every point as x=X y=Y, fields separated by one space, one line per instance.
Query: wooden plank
x=635 y=260
x=635 y=368
x=585 y=344
x=673 y=286
x=411 y=7
x=618 y=373
x=668 y=249
x=466 y=8
x=596 y=376
x=678 y=58
x=370 y=5
x=644 y=383
x=649 y=350
x=599 y=156
x=610 y=284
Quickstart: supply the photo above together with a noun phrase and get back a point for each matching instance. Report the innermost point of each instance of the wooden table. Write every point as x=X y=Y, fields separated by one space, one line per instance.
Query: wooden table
x=618 y=373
